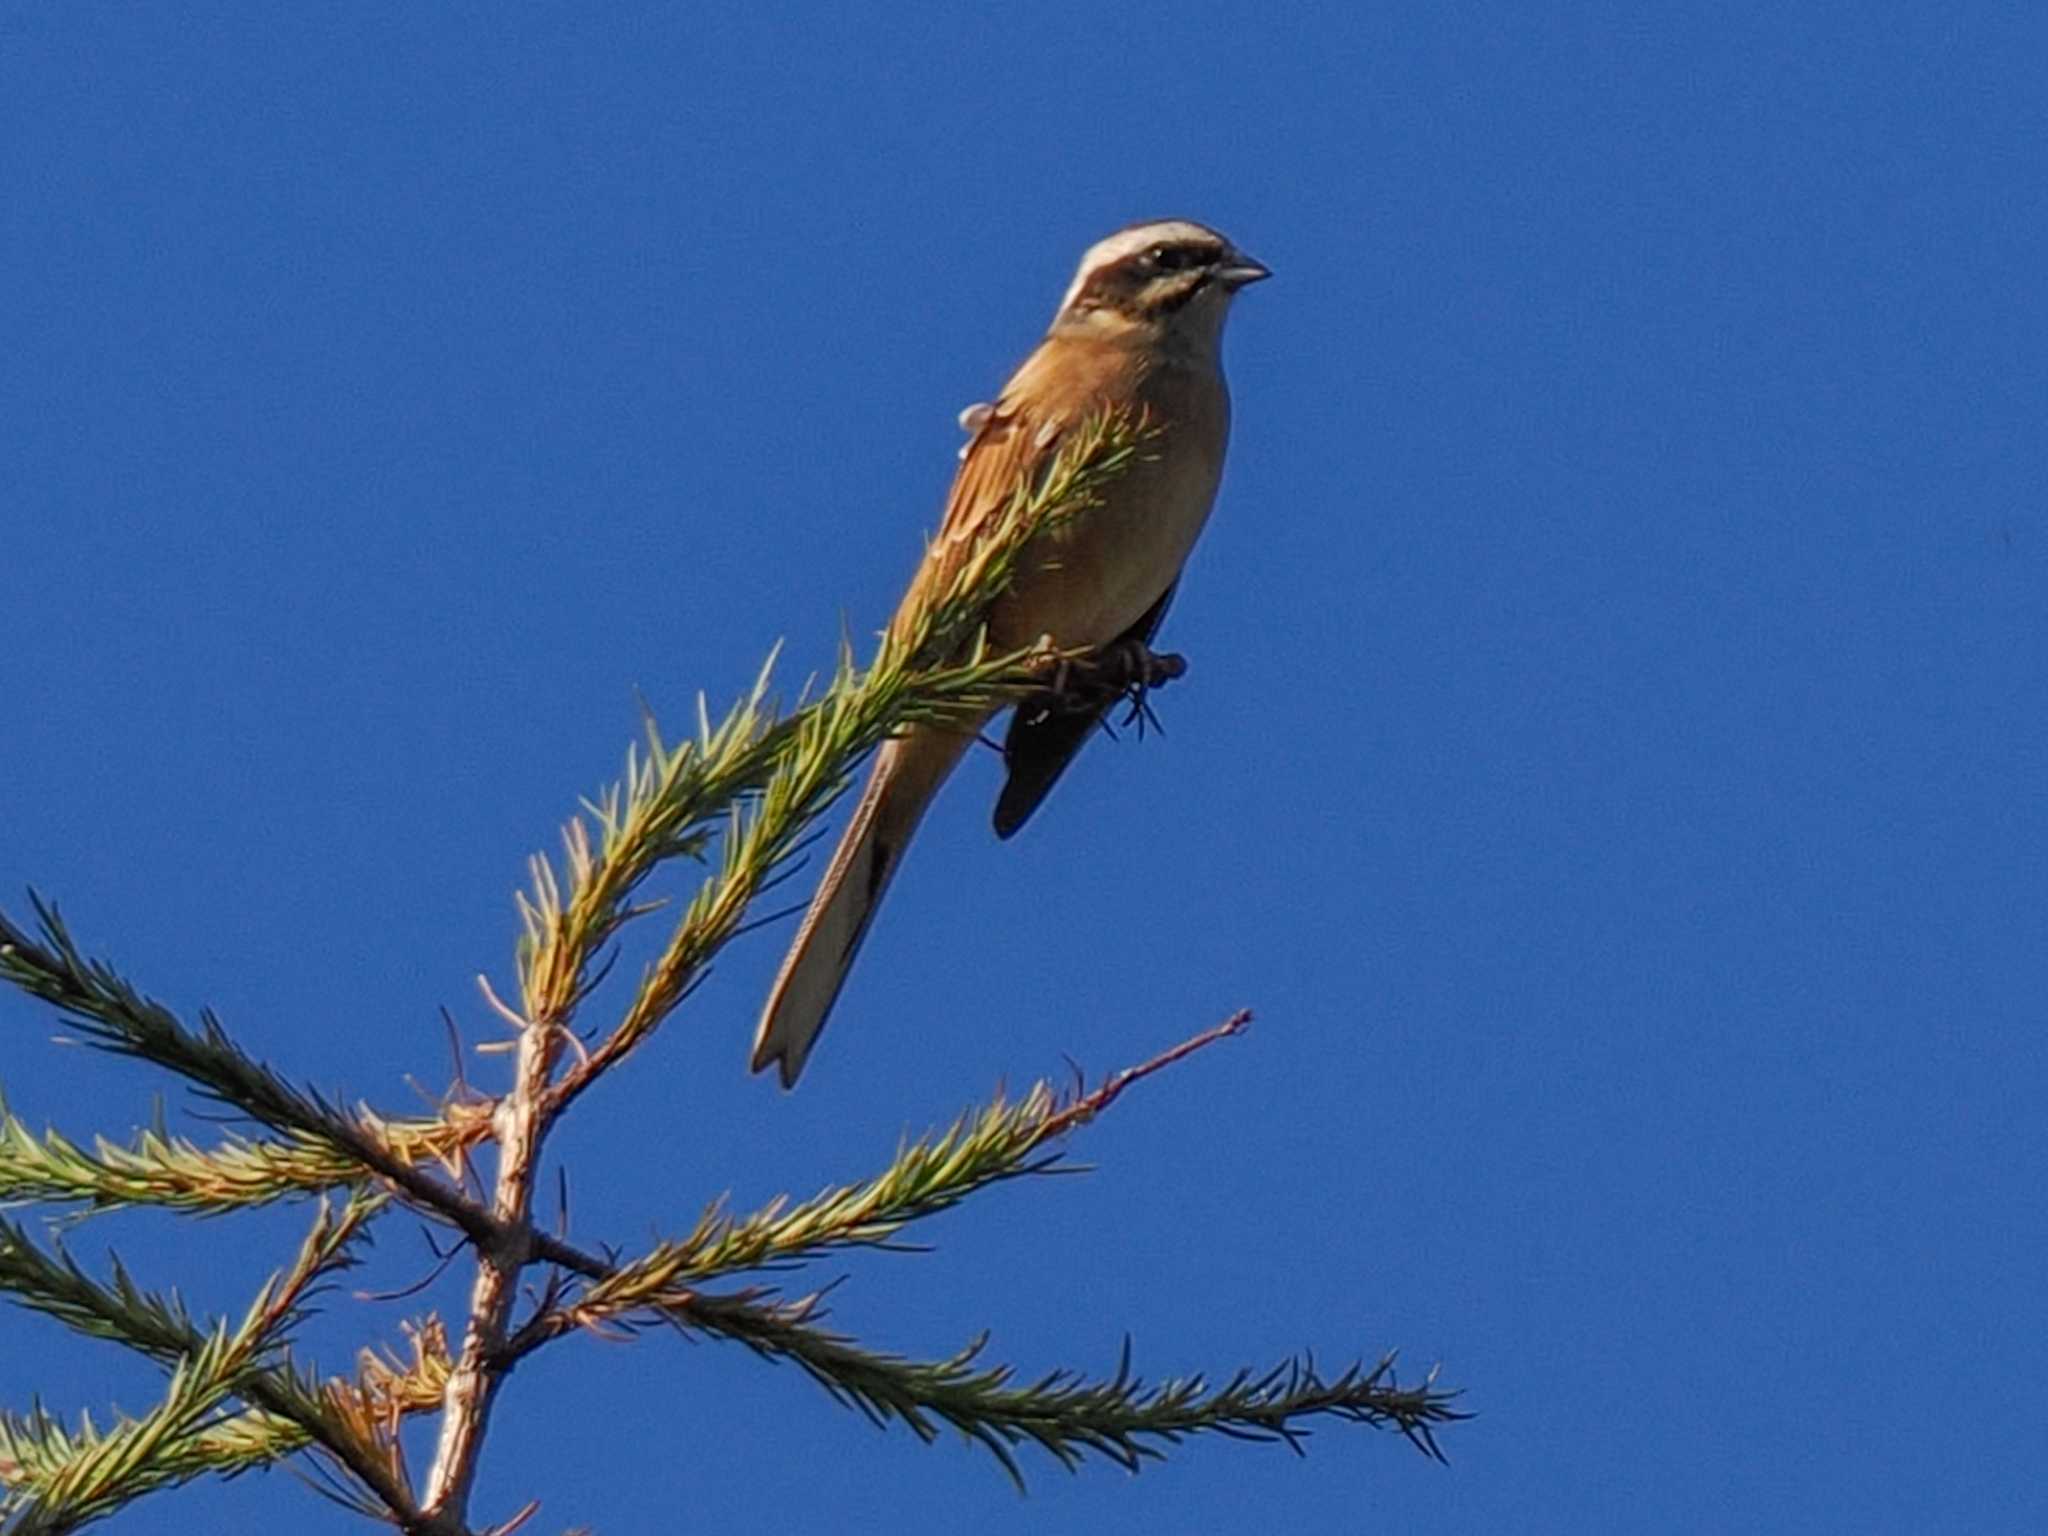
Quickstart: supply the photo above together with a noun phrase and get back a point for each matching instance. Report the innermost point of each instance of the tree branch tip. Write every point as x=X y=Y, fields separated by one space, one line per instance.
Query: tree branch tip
x=1086 y=1106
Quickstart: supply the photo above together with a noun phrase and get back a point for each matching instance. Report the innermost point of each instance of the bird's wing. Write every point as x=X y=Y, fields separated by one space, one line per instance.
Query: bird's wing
x=1041 y=741
x=1012 y=442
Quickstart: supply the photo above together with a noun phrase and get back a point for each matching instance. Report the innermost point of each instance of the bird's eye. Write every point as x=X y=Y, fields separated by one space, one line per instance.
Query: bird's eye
x=1173 y=258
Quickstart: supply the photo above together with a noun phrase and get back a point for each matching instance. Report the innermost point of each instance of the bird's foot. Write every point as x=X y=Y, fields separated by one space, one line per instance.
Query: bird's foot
x=1124 y=666
x=1124 y=669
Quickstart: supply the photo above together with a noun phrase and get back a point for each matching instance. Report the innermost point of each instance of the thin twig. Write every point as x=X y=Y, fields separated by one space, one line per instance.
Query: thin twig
x=1088 y=1106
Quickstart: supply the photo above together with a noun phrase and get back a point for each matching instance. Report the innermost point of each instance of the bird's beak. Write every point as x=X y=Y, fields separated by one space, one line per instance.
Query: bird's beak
x=1241 y=270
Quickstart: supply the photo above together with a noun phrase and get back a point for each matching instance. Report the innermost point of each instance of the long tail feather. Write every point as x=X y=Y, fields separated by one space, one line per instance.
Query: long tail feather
x=906 y=775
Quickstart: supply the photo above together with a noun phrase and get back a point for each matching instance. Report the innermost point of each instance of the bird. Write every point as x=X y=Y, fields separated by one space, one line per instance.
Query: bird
x=1139 y=330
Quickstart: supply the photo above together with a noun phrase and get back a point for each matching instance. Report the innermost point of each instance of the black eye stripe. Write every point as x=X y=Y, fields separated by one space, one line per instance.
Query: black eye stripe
x=1119 y=284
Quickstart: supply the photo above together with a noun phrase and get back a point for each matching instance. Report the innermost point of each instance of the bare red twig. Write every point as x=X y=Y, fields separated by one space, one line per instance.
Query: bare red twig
x=1089 y=1105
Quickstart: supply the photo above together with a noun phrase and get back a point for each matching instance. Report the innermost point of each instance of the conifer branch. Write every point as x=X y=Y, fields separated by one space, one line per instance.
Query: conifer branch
x=1063 y=1412
x=113 y=1016
x=62 y=1480
x=157 y=1169
x=999 y=1140
x=239 y=1173
x=367 y=1410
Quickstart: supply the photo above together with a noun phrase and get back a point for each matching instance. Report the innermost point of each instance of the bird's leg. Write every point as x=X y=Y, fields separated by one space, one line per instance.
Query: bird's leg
x=1126 y=668
x=1057 y=669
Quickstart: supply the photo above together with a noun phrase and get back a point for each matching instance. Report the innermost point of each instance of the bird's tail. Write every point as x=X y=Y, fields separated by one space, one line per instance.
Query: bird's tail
x=907 y=774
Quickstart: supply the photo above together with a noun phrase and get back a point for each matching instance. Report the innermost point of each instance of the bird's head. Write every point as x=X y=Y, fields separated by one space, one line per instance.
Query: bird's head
x=1170 y=280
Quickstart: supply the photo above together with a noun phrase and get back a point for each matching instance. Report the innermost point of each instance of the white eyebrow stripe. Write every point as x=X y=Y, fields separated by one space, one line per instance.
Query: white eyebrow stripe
x=1128 y=242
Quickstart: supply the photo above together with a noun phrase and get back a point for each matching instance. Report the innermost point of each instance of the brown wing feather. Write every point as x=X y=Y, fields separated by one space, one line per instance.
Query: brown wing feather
x=1041 y=742
x=1006 y=449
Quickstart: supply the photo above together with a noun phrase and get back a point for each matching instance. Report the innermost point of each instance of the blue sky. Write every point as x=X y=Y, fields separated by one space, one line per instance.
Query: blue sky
x=1611 y=763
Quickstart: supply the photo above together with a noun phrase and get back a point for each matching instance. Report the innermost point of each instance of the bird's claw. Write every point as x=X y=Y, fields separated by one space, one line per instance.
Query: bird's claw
x=1124 y=669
